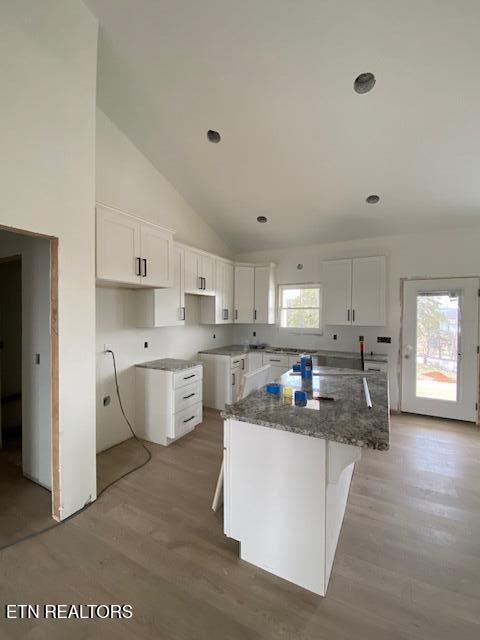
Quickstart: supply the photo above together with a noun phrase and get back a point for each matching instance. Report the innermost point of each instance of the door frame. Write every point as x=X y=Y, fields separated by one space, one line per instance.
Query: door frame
x=401 y=337
x=54 y=374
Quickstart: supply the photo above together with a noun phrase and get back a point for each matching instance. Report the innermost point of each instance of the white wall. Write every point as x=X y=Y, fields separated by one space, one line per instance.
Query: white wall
x=444 y=254
x=48 y=58
x=35 y=338
x=128 y=181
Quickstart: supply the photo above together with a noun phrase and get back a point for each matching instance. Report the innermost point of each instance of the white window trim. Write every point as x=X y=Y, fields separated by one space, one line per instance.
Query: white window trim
x=299 y=331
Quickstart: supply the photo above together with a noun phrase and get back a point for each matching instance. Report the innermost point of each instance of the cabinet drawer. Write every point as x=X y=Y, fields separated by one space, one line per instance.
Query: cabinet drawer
x=187 y=376
x=276 y=359
x=237 y=362
x=376 y=366
x=187 y=395
x=186 y=420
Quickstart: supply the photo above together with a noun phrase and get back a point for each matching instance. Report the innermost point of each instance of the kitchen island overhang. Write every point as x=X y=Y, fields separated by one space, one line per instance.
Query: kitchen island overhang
x=288 y=470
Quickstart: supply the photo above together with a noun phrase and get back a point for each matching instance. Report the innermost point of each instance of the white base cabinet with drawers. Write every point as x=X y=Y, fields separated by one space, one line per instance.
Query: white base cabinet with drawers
x=168 y=403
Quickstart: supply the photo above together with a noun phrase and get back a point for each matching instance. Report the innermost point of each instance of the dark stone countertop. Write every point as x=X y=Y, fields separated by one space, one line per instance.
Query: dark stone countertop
x=347 y=419
x=169 y=364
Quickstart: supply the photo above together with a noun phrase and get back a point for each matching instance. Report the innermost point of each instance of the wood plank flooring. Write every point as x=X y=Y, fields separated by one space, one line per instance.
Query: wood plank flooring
x=407 y=564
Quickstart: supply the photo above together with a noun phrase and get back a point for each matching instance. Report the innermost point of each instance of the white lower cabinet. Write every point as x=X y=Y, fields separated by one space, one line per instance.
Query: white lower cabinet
x=168 y=403
x=222 y=375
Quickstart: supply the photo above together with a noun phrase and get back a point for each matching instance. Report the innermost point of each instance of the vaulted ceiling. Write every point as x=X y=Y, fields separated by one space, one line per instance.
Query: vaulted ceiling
x=299 y=146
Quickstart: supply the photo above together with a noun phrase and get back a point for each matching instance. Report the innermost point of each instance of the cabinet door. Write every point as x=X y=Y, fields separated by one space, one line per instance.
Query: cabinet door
x=192 y=279
x=261 y=314
x=228 y=291
x=118 y=247
x=163 y=307
x=157 y=256
x=368 y=291
x=207 y=271
x=337 y=291
x=220 y=314
x=236 y=375
x=244 y=294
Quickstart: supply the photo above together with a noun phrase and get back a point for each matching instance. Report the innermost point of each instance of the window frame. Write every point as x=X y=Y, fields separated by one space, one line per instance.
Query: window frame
x=301 y=330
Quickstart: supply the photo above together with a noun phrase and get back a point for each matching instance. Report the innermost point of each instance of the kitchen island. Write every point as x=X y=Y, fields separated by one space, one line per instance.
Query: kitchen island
x=288 y=469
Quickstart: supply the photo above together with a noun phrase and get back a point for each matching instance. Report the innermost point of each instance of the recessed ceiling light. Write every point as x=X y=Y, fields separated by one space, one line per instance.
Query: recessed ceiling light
x=364 y=83
x=213 y=136
x=373 y=199
x=262 y=219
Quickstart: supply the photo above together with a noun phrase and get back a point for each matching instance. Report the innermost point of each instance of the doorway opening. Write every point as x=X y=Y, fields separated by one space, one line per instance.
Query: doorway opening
x=440 y=348
x=29 y=480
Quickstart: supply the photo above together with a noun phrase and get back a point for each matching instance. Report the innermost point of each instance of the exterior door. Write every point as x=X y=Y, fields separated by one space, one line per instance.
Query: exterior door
x=439 y=348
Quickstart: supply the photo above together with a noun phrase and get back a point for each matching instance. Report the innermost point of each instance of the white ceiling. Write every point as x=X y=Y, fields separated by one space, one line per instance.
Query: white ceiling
x=299 y=146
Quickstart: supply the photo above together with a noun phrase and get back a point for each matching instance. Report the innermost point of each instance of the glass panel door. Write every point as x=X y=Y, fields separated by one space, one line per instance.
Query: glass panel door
x=438 y=323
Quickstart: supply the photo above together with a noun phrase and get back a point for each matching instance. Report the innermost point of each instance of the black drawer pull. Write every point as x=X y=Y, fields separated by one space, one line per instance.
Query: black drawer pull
x=275 y=360
x=236 y=361
x=188 y=419
x=188 y=377
x=189 y=396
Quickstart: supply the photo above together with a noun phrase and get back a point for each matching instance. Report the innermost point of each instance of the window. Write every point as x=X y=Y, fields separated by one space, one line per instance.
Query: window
x=300 y=308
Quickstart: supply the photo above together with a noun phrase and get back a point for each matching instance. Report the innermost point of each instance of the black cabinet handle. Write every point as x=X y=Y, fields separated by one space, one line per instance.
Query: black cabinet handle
x=236 y=314
x=139 y=272
x=353 y=315
x=275 y=360
x=236 y=361
x=188 y=419
x=348 y=315
x=227 y=314
x=189 y=396
x=233 y=379
x=255 y=314
x=182 y=313
x=200 y=286
x=243 y=364
x=188 y=377
x=144 y=260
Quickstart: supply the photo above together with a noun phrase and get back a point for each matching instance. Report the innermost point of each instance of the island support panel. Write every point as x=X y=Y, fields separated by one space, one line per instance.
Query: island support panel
x=281 y=504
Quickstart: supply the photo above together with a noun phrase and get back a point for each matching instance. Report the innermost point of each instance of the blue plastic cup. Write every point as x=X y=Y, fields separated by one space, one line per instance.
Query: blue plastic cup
x=300 y=398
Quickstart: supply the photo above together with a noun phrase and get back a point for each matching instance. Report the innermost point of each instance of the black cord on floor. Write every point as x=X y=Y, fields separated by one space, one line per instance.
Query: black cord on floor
x=124 y=475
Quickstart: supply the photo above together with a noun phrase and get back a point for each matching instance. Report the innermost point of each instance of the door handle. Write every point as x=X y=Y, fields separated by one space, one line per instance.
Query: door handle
x=243 y=364
x=204 y=283
x=182 y=313
x=233 y=379
x=348 y=315
x=144 y=260
x=200 y=285
x=236 y=314
x=139 y=271
x=255 y=314
x=227 y=314
x=353 y=315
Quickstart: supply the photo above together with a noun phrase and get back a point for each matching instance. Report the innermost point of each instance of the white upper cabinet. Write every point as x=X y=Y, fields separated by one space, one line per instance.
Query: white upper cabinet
x=164 y=307
x=244 y=292
x=157 y=256
x=337 y=291
x=118 y=247
x=199 y=273
x=354 y=291
x=368 y=291
x=131 y=251
x=218 y=309
x=264 y=299
x=254 y=294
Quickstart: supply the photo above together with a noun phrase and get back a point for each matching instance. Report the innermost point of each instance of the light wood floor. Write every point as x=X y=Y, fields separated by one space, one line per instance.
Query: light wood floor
x=407 y=565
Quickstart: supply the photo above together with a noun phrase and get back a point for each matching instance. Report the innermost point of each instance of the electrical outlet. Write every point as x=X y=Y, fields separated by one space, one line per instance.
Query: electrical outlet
x=254 y=334
x=145 y=345
x=214 y=336
x=334 y=337
x=107 y=347
x=106 y=401
x=386 y=339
